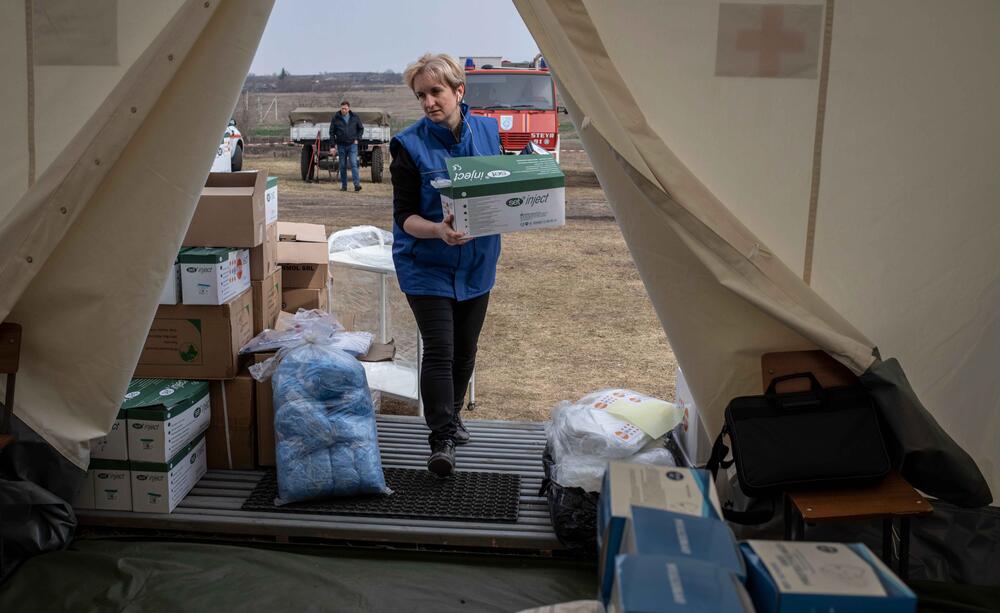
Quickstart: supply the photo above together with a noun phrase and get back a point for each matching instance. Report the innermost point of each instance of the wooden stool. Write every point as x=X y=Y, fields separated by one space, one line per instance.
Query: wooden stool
x=10 y=352
x=892 y=499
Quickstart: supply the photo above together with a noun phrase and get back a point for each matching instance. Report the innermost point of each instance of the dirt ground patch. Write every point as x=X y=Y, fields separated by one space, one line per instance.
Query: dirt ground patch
x=568 y=315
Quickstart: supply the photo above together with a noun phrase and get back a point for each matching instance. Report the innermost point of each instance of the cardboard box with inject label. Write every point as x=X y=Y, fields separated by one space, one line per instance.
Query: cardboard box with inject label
x=164 y=416
x=160 y=487
x=112 y=483
x=197 y=341
x=504 y=193
x=271 y=201
x=213 y=275
x=114 y=444
x=303 y=255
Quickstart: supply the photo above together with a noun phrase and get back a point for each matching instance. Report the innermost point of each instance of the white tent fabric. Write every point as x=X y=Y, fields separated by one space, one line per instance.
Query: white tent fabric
x=865 y=167
x=115 y=112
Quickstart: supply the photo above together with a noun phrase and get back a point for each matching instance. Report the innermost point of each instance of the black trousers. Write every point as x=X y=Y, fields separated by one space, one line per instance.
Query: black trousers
x=450 y=331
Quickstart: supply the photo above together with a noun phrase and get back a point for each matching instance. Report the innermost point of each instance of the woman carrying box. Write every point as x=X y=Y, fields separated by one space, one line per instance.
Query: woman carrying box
x=446 y=276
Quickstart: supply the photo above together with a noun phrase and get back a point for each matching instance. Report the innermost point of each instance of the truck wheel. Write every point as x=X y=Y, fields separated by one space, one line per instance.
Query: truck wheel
x=238 y=159
x=307 y=173
x=377 y=165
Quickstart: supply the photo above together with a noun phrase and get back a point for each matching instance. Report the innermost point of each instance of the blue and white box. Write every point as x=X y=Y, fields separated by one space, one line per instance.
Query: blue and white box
x=658 y=532
x=662 y=584
x=804 y=577
x=688 y=491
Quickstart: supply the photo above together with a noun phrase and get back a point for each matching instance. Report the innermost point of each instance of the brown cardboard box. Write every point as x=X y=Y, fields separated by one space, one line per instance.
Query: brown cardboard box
x=303 y=255
x=294 y=299
x=197 y=341
x=264 y=257
x=230 y=211
x=267 y=302
x=235 y=452
x=264 y=401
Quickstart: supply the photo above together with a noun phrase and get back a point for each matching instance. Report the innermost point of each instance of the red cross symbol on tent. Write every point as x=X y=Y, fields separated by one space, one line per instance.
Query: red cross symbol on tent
x=770 y=41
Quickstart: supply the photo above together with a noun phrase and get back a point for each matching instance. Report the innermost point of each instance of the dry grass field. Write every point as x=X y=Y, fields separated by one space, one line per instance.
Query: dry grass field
x=568 y=315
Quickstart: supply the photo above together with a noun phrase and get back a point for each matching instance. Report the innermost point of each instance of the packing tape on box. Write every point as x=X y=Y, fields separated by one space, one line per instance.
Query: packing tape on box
x=225 y=418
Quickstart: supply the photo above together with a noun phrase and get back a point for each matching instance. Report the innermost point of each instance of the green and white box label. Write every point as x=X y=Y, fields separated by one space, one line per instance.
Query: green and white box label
x=504 y=193
x=160 y=487
x=165 y=415
x=112 y=485
x=271 y=201
x=213 y=275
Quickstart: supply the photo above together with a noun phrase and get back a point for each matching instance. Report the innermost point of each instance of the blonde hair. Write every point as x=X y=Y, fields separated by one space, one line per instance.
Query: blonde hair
x=441 y=66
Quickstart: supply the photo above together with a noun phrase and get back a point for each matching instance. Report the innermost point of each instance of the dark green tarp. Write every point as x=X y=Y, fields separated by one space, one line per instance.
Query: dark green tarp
x=111 y=575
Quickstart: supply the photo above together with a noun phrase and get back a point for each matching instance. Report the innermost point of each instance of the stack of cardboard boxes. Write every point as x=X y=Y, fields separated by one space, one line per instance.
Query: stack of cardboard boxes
x=665 y=547
x=225 y=288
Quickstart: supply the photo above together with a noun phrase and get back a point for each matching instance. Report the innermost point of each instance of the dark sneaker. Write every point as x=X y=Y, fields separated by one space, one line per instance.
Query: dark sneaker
x=462 y=435
x=357 y=188
x=442 y=459
x=343 y=189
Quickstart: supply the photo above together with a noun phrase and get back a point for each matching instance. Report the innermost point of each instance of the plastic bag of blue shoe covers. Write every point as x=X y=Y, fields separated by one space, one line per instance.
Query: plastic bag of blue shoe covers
x=324 y=420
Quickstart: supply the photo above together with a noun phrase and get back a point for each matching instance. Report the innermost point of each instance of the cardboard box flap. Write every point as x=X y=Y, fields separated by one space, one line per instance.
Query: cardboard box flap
x=301 y=232
x=246 y=178
x=226 y=191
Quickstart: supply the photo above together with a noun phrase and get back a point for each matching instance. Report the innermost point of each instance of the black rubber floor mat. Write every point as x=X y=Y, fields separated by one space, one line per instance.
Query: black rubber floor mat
x=464 y=496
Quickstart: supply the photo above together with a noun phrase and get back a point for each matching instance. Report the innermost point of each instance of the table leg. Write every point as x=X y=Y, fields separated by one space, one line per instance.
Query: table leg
x=904 y=548
x=887 y=542
x=788 y=517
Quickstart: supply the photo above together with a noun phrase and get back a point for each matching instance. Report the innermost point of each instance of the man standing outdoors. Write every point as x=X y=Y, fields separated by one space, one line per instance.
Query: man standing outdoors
x=346 y=130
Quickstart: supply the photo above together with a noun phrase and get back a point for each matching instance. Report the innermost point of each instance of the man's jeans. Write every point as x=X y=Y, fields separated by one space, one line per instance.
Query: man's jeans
x=345 y=153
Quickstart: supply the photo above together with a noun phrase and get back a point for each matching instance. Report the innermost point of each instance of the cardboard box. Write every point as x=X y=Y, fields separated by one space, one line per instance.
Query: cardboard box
x=264 y=257
x=85 y=496
x=160 y=487
x=576 y=606
x=303 y=255
x=214 y=275
x=505 y=193
x=112 y=483
x=163 y=416
x=799 y=576
x=271 y=201
x=114 y=444
x=197 y=341
x=267 y=300
x=171 y=293
x=659 y=532
x=688 y=491
x=294 y=299
x=231 y=439
x=264 y=418
x=663 y=583
x=230 y=212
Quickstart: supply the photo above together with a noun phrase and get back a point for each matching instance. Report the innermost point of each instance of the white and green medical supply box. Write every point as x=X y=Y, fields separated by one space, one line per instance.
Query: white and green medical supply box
x=213 y=275
x=158 y=487
x=114 y=444
x=112 y=484
x=163 y=416
x=271 y=201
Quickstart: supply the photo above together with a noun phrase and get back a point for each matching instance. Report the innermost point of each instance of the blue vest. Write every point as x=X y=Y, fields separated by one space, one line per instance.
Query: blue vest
x=431 y=267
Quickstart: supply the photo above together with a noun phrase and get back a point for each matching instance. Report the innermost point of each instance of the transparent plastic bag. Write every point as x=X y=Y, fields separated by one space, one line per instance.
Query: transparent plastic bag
x=324 y=419
x=583 y=437
x=313 y=322
x=357 y=237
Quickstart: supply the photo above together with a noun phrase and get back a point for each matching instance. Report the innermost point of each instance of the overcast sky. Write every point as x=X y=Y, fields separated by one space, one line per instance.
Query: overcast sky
x=312 y=36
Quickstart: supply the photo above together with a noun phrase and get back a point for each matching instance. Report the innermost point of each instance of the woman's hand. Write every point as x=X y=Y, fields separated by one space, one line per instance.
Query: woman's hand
x=446 y=232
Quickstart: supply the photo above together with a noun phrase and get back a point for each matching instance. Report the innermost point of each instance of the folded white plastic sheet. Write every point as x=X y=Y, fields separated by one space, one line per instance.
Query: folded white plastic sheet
x=109 y=148
x=846 y=195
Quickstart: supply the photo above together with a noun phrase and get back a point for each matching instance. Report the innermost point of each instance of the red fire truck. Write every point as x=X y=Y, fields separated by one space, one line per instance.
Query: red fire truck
x=522 y=100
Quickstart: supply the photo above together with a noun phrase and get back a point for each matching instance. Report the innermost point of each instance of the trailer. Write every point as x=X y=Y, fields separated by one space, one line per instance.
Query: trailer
x=311 y=125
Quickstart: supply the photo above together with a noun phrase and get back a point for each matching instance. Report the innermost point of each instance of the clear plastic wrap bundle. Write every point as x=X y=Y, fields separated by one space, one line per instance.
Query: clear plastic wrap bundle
x=357 y=237
x=583 y=436
x=324 y=420
x=354 y=343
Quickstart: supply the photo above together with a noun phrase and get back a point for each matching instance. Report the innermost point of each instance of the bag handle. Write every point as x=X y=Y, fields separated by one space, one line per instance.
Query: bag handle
x=719 y=453
x=813 y=382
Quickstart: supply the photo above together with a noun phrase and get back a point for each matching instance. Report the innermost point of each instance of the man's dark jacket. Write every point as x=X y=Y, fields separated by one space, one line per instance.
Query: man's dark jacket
x=345 y=133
